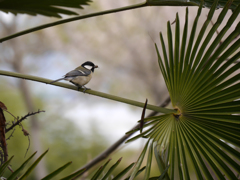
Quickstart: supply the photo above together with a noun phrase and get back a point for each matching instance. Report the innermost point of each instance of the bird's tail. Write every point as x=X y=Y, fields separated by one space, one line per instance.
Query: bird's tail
x=57 y=80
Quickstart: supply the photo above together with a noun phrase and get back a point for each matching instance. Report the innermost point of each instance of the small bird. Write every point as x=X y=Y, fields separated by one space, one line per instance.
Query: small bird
x=80 y=76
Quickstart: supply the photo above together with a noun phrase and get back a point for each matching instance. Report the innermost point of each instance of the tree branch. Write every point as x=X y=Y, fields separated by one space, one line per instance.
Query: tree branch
x=23 y=118
x=92 y=92
x=71 y=19
x=2 y=136
x=113 y=147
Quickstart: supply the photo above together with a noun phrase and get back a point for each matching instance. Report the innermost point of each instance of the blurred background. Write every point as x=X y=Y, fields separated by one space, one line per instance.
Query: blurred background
x=77 y=127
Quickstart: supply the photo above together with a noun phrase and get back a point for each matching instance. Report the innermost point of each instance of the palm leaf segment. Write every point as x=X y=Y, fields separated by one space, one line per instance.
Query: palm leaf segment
x=208 y=3
x=204 y=86
x=44 y=7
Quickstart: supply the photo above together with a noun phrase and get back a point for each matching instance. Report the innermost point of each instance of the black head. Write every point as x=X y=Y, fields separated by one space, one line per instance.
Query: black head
x=89 y=63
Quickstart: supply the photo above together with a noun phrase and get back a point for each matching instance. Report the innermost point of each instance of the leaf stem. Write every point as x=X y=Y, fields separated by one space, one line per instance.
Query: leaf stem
x=92 y=92
x=72 y=19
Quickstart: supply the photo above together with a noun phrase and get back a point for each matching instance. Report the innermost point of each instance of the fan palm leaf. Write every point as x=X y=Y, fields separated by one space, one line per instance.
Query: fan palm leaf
x=203 y=80
x=221 y=3
x=44 y=7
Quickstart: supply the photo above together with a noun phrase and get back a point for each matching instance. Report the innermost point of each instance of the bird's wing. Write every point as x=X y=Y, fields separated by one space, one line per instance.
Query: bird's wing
x=80 y=72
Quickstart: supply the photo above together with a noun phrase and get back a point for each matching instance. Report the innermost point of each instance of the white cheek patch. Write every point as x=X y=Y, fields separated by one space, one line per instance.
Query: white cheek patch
x=88 y=67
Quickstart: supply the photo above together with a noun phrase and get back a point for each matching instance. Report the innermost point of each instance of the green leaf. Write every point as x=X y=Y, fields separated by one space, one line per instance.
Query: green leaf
x=4 y=166
x=111 y=169
x=56 y=172
x=139 y=171
x=160 y=162
x=149 y=162
x=31 y=168
x=19 y=170
x=100 y=170
x=208 y=4
x=74 y=175
x=123 y=172
x=139 y=162
x=164 y=173
x=202 y=77
x=43 y=7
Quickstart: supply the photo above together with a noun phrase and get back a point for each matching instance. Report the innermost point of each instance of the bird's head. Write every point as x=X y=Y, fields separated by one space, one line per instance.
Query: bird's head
x=89 y=65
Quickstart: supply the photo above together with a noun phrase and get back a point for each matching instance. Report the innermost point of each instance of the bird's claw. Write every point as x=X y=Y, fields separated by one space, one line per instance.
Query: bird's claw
x=83 y=88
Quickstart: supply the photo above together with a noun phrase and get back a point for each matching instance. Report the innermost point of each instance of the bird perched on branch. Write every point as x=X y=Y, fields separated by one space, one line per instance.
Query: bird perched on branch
x=80 y=76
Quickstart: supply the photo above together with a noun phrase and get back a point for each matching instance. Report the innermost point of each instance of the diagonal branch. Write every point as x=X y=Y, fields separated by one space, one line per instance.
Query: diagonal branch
x=71 y=19
x=92 y=92
x=112 y=148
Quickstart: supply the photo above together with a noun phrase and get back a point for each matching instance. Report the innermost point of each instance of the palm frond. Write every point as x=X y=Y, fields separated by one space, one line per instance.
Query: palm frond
x=203 y=80
x=43 y=7
x=208 y=4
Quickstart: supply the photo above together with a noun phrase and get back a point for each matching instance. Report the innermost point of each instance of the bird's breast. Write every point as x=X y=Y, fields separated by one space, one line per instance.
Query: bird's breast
x=81 y=80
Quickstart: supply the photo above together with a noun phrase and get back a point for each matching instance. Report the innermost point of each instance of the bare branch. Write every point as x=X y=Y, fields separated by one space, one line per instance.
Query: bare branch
x=11 y=135
x=9 y=167
x=28 y=145
x=23 y=118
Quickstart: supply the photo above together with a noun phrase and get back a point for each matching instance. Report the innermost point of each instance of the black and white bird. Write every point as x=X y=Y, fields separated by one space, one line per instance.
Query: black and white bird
x=80 y=76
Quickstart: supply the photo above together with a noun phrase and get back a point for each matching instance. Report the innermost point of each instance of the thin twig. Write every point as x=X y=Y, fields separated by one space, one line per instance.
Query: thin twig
x=9 y=113
x=9 y=167
x=26 y=133
x=14 y=118
x=112 y=148
x=11 y=135
x=28 y=146
x=23 y=118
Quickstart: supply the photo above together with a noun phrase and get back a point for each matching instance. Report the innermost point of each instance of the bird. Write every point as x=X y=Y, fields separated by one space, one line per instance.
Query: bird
x=80 y=76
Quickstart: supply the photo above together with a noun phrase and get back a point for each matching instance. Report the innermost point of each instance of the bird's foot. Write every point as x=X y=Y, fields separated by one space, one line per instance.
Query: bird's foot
x=85 y=89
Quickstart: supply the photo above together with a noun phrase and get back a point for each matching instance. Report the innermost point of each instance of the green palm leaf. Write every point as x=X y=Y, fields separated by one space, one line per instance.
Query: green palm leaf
x=43 y=7
x=5 y=165
x=123 y=172
x=32 y=167
x=20 y=169
x=221 y=3
x=56 y=172
x=203 y=80
x=108 y=173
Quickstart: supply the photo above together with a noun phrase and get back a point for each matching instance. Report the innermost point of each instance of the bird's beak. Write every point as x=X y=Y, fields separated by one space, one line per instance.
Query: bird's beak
x=96 y=66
